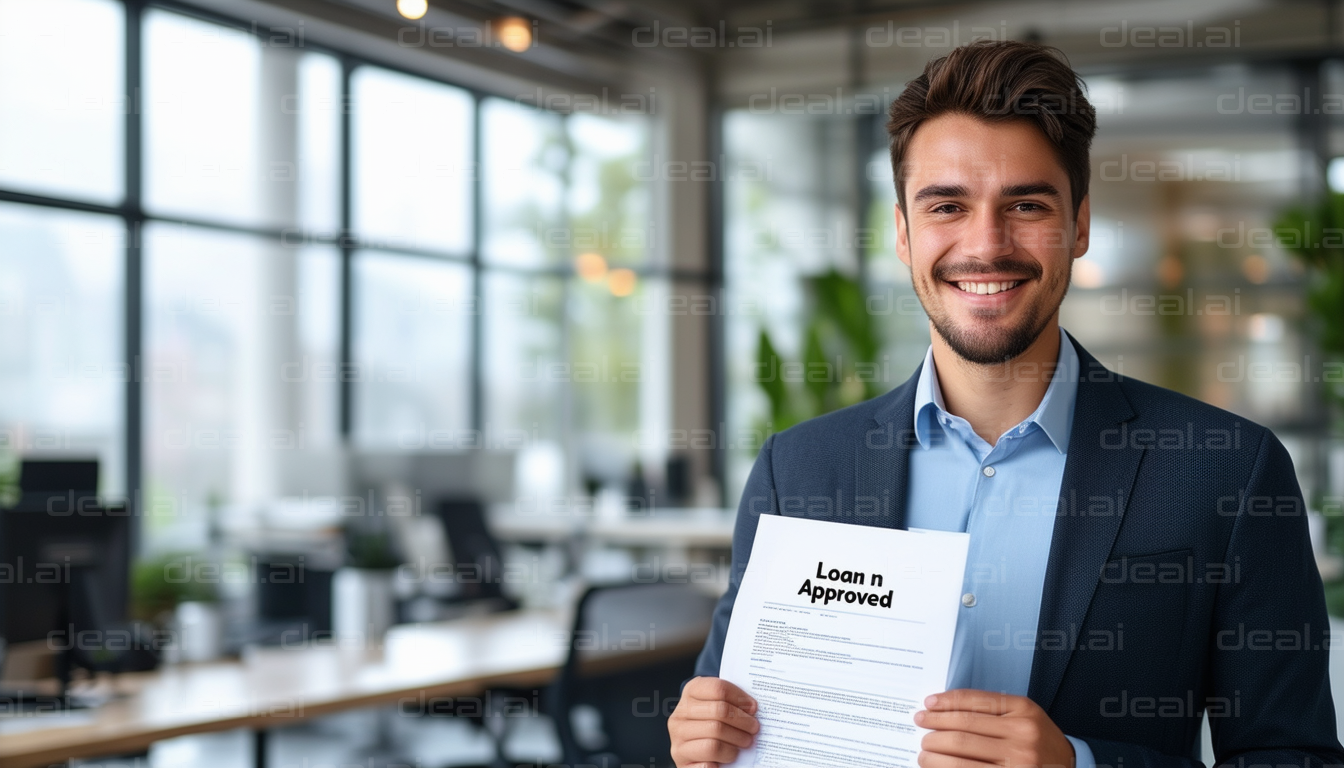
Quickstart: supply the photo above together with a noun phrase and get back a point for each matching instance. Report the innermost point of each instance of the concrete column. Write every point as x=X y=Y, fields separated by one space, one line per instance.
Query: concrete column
x=680 y=143
x=268 y=408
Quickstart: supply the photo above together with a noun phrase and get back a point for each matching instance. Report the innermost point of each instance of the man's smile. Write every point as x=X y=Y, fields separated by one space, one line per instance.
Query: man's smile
x=985 y=287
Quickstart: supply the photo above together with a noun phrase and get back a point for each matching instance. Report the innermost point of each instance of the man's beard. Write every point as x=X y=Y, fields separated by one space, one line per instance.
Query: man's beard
x=992 y=345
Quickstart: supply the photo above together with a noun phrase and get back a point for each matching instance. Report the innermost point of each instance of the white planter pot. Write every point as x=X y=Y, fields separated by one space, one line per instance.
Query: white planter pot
x=200 y=631
x=363 y=604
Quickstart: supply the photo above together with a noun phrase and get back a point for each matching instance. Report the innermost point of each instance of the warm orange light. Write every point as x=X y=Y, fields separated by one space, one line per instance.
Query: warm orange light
x=412 y=9
x=514 y=33
x=590 y=266
x=621 y=282
x=1256 y=268
x=1170 y=272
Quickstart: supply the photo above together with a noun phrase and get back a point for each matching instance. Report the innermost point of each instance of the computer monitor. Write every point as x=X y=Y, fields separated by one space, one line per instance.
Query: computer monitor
x=63 y=567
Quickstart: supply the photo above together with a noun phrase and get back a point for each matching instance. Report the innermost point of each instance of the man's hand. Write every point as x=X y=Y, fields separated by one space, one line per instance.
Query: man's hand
x=713 y=720
x=972 y=729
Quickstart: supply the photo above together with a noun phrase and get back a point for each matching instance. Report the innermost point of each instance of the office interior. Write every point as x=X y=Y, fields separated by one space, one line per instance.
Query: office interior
x=400 y=343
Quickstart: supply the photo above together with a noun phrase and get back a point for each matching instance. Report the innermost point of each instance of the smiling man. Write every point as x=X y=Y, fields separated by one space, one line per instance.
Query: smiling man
x=1116 y=574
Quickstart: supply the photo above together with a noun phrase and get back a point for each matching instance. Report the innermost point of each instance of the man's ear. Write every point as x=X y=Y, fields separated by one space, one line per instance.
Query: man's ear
x=902 y=236
x=1082 y=227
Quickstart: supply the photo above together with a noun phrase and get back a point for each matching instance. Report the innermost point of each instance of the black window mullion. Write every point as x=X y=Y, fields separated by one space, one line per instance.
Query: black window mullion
x=346 y=243
x=477 y=278
x=134 y=218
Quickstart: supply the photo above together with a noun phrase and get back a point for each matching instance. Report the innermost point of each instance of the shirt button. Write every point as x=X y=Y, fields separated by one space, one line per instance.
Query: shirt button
x=989 y=471
x=968 y=600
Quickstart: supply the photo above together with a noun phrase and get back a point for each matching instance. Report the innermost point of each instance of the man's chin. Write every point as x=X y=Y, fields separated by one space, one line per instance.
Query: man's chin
x=988 y=346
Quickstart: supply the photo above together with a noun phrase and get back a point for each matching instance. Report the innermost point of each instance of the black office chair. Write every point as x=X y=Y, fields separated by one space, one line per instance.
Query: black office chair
x=478 y=564
x=632 y=647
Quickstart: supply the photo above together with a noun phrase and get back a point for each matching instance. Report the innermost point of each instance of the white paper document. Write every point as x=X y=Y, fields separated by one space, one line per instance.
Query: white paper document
x=839 y=632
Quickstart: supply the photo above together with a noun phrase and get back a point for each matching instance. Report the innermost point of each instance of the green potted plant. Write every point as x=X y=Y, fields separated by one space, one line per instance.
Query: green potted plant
x=362 y=593
x=1314 y=234
x=9 y=479
x=838 y=365
x=180 y=592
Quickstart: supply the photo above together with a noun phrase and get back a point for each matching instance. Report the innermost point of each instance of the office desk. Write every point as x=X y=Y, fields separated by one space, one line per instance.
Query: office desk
x=276 y=687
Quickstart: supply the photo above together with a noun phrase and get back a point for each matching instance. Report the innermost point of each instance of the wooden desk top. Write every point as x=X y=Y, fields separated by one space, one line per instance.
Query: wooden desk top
x=276 y=686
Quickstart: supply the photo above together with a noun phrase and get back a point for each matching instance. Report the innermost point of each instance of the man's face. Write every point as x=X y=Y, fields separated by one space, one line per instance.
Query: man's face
x=989 y=233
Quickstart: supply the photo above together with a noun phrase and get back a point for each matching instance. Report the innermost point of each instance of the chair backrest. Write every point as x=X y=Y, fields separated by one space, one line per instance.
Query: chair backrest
x=44 y=480
x=478 y=564
x=631 y=648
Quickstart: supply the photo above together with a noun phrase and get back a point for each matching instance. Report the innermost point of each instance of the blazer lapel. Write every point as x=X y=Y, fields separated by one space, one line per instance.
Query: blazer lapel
x=882 y=460
x=1093 y=497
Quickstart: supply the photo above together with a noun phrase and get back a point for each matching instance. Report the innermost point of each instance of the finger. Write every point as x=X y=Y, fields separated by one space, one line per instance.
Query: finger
x=693 y=730
x=708 y=751
x=971 y=746
x=929 y=759
x=995 y=726
x=971 y=700
x=698 y=709
x=718 y=689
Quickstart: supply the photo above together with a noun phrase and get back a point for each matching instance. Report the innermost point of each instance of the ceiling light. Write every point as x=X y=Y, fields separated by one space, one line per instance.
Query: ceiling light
x=514 y=33
x=412 y=9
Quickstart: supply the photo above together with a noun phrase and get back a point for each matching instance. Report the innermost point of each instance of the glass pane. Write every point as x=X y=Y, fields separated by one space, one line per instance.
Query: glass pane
x=62 y=362
x=240 y=375
x=61 y=98
x=201 y=119
x=605 y=372
x=525 y=159
x=524 y=356
x=608 y=194
x=412 y=351
x=319 y=143
x=319 y=347
x=412 y=161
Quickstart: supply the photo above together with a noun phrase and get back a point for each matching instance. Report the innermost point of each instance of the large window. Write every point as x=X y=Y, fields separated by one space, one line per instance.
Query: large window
x=258 y=307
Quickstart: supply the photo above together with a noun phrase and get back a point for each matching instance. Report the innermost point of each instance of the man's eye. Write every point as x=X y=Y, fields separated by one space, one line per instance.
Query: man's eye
x=1029 y=207
x=945 y=208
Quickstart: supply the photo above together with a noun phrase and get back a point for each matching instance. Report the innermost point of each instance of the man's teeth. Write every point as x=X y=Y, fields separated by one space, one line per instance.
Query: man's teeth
x=987 y=289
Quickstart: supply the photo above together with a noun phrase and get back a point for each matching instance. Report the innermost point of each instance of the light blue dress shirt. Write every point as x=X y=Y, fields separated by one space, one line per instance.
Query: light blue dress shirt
x=1005 y=497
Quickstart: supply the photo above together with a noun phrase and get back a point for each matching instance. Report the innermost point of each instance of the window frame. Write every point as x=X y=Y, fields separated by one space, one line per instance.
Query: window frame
x=346 y=239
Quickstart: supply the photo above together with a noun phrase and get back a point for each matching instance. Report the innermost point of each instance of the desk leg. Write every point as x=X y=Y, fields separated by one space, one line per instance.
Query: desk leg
x=260 y=737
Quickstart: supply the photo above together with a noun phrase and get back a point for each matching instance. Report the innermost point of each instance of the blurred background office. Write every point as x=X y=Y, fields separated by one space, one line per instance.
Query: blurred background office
x=359 y=315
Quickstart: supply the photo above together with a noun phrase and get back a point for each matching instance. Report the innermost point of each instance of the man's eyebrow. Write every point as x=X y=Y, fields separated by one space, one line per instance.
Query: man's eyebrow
x=941 y=190
x=1032 y=188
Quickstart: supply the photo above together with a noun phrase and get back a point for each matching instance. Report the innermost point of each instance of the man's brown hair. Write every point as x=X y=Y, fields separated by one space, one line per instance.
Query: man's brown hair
x=999 y=81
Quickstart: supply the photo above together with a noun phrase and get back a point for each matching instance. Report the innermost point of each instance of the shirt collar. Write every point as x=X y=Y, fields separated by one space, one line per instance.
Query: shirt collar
x=1054 y=414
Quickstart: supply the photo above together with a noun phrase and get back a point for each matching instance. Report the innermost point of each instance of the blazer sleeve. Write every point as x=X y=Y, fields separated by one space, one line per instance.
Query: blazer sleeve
x=758 y=498
x=1269 y=639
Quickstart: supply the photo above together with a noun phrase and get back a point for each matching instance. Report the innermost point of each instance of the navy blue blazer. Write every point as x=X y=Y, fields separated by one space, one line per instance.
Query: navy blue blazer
x=1180 y=577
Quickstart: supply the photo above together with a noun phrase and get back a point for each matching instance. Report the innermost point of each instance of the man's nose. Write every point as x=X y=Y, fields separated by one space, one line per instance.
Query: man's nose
x=986 y=236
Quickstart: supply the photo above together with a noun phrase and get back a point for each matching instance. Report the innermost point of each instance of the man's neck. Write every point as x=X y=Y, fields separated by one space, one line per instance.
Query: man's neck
x=995 y=398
